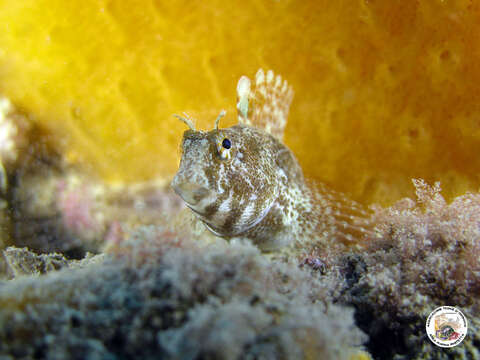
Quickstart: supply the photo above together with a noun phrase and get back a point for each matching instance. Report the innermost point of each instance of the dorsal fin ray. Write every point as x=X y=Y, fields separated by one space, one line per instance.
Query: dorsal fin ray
x=266 y=104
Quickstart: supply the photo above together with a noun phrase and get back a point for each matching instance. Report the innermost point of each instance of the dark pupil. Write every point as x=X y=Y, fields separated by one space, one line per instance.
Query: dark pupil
x=226 y=144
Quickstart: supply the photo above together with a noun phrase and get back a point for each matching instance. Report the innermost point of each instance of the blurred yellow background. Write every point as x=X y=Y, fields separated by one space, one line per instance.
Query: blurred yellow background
x=384 y=90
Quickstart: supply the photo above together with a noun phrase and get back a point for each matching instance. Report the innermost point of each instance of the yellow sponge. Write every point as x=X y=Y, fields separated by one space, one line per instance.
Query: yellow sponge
x=385 y=91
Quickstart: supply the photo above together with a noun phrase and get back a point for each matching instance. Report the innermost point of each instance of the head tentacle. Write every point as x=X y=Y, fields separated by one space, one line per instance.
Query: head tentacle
x=217 y=120
x=187 y=120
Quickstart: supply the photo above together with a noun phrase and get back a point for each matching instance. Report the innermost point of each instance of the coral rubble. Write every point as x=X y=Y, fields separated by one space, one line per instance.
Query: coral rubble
x=24 y=262
x=21 y=261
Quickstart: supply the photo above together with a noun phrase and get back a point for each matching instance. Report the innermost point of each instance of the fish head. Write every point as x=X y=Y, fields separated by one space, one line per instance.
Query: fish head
x=228 y=177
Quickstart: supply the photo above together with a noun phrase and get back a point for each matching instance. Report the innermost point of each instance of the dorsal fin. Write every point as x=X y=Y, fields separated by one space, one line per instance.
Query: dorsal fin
x=266 y=105
x=348 y=220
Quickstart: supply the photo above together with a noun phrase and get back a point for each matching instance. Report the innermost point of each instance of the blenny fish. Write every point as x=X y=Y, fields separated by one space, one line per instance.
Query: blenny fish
x=243 y=182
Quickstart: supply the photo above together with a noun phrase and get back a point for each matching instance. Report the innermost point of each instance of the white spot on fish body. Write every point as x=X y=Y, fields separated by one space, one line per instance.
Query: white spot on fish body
x=282 y=173
x=247 y=213
x=247 y=180
x=225 y=205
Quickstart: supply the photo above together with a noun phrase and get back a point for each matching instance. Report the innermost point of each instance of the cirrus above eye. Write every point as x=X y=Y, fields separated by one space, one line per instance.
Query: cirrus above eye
x=226 y=143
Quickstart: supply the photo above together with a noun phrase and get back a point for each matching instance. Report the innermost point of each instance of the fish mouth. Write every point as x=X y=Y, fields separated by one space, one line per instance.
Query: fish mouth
x=193 y=194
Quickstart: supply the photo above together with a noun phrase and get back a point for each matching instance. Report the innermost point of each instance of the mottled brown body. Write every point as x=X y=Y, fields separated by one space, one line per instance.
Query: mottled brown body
x=244 y=182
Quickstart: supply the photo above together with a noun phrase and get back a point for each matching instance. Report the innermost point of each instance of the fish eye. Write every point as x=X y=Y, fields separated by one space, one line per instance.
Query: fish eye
x=224 y=146
x=226 y=143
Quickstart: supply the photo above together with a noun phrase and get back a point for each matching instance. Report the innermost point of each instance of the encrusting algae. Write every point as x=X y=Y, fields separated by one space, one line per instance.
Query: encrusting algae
x=162 y=295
